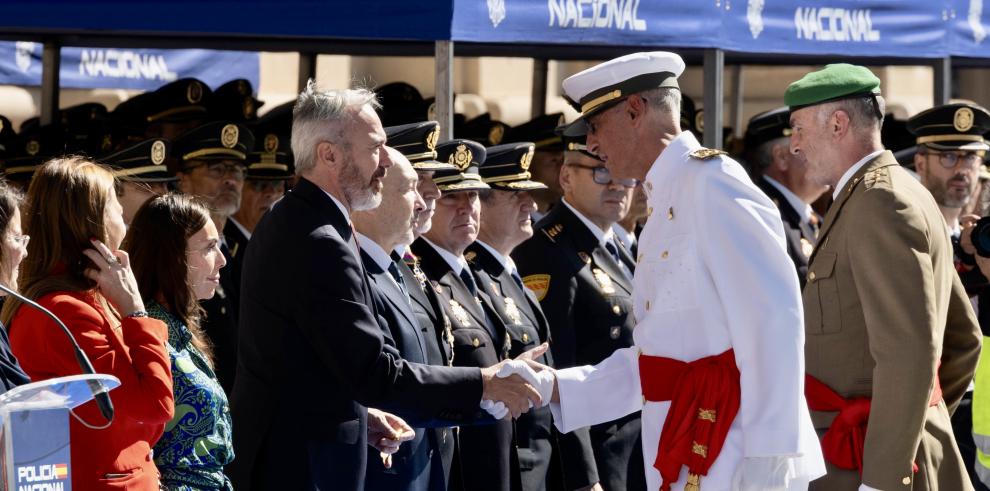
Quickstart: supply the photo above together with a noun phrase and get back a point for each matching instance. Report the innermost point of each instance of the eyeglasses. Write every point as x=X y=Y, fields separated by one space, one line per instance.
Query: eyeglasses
x=20 y=240
x=218 y=170
x=264 y=186
x=950 y=160
x=602 y=176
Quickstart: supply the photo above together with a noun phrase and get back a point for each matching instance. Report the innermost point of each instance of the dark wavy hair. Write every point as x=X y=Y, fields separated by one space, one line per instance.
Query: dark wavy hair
x=156 y=242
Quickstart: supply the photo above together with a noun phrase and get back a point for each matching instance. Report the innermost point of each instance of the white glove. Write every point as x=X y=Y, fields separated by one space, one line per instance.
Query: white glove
x=495 y=408
x=542 y=381
x=763 y=474
x=863 y=487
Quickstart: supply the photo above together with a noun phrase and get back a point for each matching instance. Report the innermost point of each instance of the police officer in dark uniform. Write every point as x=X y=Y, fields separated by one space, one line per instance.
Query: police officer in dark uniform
x=30 y=149
x=549 y=156
x=167 y=112
x=141 y=173
x=211 y=165
x=583 y=280
x=505 y=223
x=234 y=101
x=487 y=459
x=782 y=176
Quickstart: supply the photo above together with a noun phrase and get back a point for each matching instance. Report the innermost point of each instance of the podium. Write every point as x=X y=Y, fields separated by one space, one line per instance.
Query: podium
x=34 y=433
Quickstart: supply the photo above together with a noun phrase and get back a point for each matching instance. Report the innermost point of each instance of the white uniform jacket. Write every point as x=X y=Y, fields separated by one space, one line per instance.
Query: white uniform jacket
x=712 y=274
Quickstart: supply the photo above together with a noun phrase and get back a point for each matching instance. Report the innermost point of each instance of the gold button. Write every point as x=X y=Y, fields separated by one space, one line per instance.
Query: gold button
x=906 y=481
x=811 y=276
x=664 y=254
x=670 y=213
x=476 y=343
x=525 y=338
x=647 y=305
x=616 y=310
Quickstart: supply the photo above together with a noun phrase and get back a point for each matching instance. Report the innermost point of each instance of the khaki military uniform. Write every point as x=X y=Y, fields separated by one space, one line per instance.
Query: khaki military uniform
x=884 y=313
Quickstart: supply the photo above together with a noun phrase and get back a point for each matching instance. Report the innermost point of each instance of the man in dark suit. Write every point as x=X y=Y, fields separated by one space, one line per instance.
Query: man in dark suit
x=505 y=223
x=479 y=336
x=783 y=177
x=212 y=167
x=583 y=280
x=312 y=353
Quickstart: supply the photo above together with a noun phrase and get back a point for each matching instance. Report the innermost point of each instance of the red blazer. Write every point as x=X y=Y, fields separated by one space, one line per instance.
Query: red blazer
x=135 y=353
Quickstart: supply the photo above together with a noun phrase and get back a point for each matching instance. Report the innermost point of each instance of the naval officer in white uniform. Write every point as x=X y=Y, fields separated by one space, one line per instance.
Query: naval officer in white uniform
x=718 y=363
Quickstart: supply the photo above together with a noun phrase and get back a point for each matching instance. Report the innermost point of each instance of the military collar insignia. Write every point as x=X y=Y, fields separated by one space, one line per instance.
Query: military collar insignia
x=512 y=311
x=539 y=284
x=553 y=231
x=585 y=258
x=604 y=281
x=706 y=153
x=459 y=313
x=229 y=135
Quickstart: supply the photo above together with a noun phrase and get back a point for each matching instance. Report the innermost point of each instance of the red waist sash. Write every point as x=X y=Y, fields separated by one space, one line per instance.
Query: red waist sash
x=704 y=397
x=843 y=442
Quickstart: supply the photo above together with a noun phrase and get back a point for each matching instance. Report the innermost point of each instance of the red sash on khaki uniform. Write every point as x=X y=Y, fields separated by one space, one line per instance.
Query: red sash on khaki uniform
x=704 y=397
x=843 y=442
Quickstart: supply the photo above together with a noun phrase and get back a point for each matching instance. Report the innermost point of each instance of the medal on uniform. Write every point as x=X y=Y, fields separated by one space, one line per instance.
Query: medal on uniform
x=448 y=335
x=806 y=247
x=604 y=280
x=459 y=314
x=512 y=311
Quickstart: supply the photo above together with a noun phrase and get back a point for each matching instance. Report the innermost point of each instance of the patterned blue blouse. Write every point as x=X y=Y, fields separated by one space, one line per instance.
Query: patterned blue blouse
x=196 y=444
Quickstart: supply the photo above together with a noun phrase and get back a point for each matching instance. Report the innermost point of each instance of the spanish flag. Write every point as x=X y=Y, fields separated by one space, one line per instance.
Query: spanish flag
x=61 y=471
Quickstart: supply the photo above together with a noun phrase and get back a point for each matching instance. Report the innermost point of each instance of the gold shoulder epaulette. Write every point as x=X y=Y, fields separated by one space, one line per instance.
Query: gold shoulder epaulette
x=552 y=231
x=707 y=153
x=876 y=177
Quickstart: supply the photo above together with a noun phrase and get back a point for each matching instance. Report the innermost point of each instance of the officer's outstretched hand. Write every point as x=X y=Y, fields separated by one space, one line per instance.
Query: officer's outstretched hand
x=513 y=391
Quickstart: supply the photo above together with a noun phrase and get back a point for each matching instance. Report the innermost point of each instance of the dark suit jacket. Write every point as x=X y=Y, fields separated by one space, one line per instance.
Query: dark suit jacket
x=311 y=354
x=486 y=457
x=587 y=299
x=412 y=468
x=527 y=328
x=793 y=230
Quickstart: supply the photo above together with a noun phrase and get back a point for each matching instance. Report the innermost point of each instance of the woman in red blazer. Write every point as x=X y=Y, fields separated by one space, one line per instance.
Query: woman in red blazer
x=73 y=216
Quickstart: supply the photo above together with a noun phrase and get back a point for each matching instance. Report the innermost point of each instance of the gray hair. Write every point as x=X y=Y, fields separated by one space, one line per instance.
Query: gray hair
x=862 y=112
x=322 y=115
x=763 y=155
x=666 y=100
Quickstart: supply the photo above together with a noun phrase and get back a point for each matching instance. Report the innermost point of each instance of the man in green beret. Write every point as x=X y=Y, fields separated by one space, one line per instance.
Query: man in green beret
x=891 y=338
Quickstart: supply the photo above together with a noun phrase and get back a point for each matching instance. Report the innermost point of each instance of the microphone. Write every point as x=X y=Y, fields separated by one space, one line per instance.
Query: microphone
x=100 y=393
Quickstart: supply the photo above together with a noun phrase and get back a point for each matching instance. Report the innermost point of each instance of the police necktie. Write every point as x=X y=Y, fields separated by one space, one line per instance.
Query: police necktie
x=613 y=249
x=393 y=269
x=469 y=281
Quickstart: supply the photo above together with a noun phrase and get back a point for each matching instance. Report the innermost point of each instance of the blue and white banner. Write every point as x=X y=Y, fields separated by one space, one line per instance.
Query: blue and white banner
x=899 y=28
x=143 y=69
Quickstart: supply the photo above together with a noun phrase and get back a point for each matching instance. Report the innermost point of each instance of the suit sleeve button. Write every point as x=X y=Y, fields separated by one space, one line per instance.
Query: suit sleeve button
x=811 y=276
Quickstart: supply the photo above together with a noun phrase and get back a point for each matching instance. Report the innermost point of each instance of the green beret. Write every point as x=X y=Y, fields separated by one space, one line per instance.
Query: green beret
x=832 y=83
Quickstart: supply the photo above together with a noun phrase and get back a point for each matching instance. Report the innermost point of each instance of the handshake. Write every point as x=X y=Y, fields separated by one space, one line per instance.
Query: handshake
x=515 y=386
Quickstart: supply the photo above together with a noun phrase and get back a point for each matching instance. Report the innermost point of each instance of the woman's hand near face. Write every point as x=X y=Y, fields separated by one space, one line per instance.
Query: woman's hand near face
x=114 y=278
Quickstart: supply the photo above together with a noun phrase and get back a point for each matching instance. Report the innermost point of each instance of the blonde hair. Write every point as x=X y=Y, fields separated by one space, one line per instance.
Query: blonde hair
x=66 y=204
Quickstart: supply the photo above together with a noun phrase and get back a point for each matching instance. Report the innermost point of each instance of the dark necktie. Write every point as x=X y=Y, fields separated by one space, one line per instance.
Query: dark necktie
x=469 y=281
x=613 y=249
x=393 y=269
x=518 y=280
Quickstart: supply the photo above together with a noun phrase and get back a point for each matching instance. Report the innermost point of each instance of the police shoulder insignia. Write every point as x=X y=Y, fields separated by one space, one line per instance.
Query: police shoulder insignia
x=539 y=284
x=706 y=153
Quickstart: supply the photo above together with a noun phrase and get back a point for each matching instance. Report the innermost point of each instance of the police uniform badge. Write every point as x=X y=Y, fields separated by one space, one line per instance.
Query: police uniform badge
x=461 y=157
x=158 y=153
x=32 y=148
x=271 y=143
x=512 y=311
x=460 y=315
x=962 y=121
x=539 y=284
x=229 y=135
x=604 y=281
x=194 y=93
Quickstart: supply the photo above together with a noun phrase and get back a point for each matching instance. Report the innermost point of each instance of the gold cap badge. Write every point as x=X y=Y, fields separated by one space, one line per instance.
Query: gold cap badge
x=271 y=142
x=32 y=147
x=495 y=134
x=963 y=119
x=527 y=159
x=194 y=93
x=461 y=158
x=229 y=135
x=158 y=152
x=433 y=138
